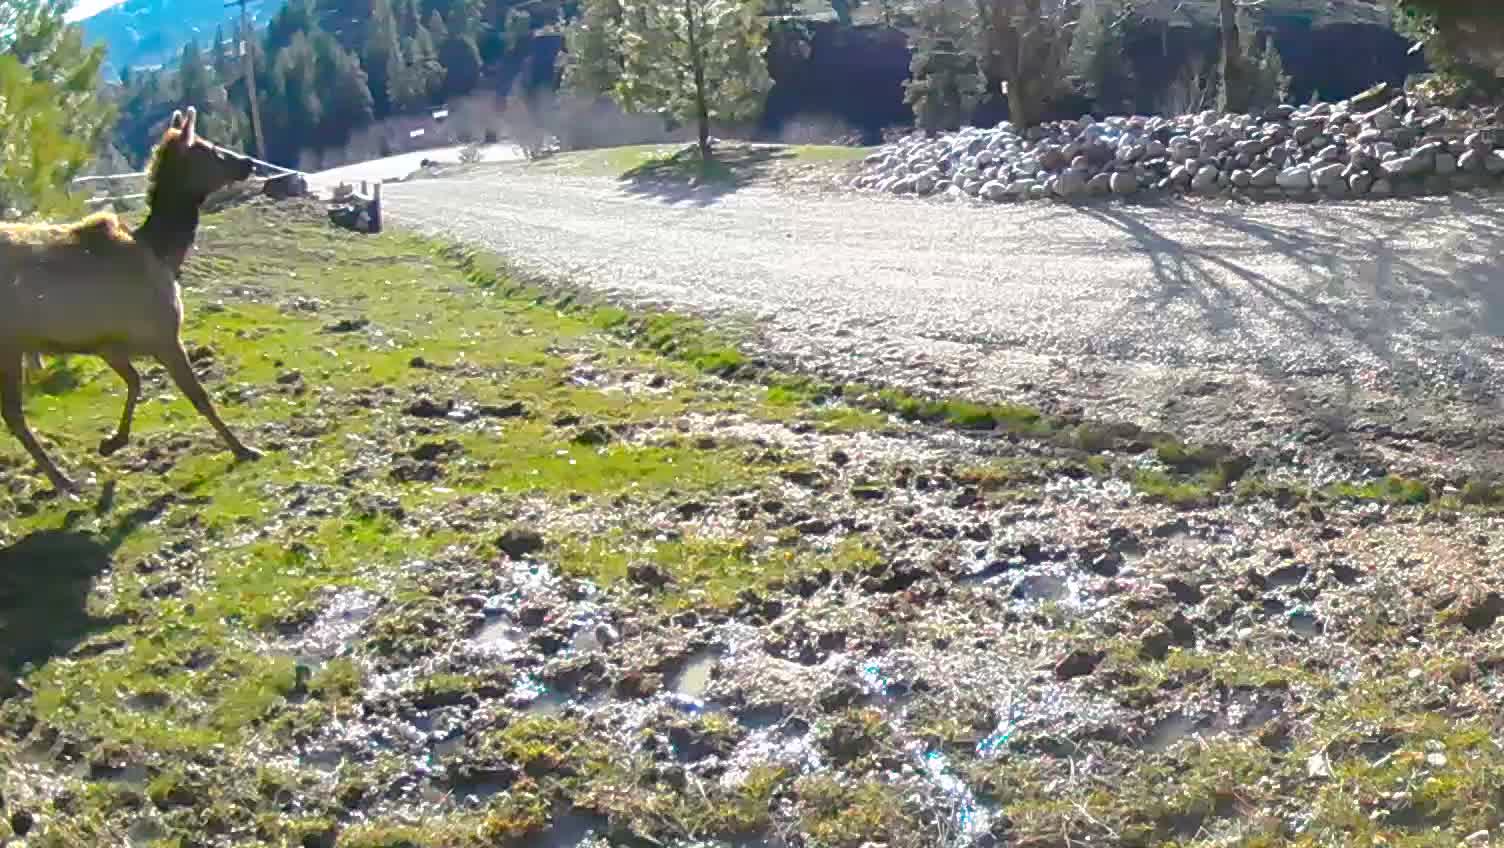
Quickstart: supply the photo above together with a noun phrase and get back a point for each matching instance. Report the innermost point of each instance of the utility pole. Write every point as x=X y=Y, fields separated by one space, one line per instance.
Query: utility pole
x=248 y=61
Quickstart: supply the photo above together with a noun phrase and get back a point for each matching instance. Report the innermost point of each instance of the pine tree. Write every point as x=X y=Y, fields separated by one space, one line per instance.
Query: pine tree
x=593 y=48
x=438 y=32
x=944 y=84
x=519 y=29
x=408 y=19
x=347 y=104
x=51 y=115
x=293 y=108
x=460 y=59
x=223 y=60
x=382 y=57
x=194 y=81
x=693 y=60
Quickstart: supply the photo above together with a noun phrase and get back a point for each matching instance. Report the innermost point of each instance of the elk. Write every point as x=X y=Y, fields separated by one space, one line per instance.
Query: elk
x=93 y=287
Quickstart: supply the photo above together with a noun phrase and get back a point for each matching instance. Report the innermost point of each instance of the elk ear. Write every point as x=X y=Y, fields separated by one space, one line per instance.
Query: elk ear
x=189 y=128
x=177 y=119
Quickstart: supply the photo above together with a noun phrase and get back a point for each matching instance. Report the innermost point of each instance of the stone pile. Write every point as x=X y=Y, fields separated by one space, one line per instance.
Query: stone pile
x=1379 y=144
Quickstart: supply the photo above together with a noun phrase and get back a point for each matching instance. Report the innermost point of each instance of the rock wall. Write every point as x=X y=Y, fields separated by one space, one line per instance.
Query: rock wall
x=1380 y=144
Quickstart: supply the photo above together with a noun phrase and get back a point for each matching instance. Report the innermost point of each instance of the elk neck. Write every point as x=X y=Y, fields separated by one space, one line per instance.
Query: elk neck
x=170 y=226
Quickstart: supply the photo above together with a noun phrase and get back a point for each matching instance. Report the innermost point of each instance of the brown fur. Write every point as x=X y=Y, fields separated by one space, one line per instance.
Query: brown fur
x=95 y=287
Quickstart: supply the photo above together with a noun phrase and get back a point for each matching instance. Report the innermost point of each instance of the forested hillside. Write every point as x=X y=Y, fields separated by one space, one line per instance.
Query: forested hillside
x=327 y=71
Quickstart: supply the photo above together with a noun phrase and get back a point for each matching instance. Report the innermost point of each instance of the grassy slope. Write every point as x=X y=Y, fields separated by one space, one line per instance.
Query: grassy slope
x=190 y=638
x=665 y=161
x=187 y=577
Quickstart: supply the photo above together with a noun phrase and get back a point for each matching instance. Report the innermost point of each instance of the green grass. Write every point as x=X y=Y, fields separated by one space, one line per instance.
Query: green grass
x=1391 y=489
x=732 y=163
x=182 y=578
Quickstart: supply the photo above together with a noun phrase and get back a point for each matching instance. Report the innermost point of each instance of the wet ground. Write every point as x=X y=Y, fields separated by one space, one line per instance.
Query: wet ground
x=510 y=575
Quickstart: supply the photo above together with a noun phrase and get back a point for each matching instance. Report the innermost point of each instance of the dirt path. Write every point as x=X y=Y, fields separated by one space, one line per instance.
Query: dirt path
x=1371 y=331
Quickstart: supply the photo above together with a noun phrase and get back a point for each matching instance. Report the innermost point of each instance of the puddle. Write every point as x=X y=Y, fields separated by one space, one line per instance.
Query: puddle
x=1304 y=623
x=144 y=832
x=567 y=829
x=325 y=760
x=969 y=818
x=1040 y=587
x=1167 y=733
x=692 y=680
x=131 y=775
x=1249 y=710
x=535 y=697
x=500 y=637
x=448 y=747
x=334 y=631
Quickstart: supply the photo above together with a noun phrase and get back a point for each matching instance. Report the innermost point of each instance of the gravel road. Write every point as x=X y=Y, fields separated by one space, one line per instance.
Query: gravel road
x=1368 y=332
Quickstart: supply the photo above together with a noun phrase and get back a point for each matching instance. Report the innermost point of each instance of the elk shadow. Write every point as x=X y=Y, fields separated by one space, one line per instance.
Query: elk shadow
x=46 y=579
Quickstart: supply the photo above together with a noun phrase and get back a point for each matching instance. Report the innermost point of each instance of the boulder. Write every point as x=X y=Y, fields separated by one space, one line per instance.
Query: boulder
x=1123 y=184
x=1021 y=188
x=1328 y=176
x=1070 y=184
x=1359 y=184
x=1472 y=161
x=1100 y=184
x=1242 y=178
x=1446 y=164
x=1381 y=188
x=1266 y=177
x=1205 y=181
x=1297 y=178
x=1405 y=166
x=1493 y=163
x=995 y=191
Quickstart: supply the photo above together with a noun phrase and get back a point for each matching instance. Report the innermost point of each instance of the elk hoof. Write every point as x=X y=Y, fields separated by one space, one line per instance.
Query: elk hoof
x=245 y=454
x=111 y=445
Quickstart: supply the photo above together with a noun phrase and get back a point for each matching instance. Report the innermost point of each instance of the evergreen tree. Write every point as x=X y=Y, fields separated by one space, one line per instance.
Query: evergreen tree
x=438 y=32
x=293 y=108
x=382 y=57
x=693 y=60
x=460 y=59
x=944 y=84
x=408 y=19
x=1098 y=56
x=223 y=59
x=593 y=48
x=519 y=29
x=347 y=103
x=51 y=115
x=194 y=81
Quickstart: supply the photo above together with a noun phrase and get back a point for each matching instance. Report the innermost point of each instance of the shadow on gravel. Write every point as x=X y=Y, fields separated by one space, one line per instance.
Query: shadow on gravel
x=1418 y=286
x=686 y=178
x=46 y=578
x=1356 y=286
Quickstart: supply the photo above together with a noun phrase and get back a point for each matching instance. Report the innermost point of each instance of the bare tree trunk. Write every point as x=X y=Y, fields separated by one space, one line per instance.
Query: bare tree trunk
x=1234 y=75
x=697 y=59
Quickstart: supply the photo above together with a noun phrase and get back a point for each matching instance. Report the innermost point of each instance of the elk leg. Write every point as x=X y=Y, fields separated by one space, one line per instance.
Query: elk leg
x=121 y=362
x=176 y=361
x=15 y=421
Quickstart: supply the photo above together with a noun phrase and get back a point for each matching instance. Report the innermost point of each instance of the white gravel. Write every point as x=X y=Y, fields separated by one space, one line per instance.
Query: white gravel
x=1239 y=323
